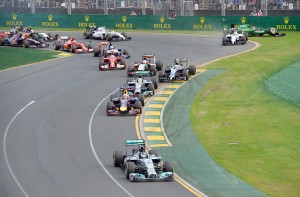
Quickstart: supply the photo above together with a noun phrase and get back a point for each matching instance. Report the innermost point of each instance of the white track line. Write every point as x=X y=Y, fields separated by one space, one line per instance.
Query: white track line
x=5 y=153
x=94 y=151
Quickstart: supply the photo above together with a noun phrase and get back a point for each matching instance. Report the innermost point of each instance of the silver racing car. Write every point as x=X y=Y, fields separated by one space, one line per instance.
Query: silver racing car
x=140 y=165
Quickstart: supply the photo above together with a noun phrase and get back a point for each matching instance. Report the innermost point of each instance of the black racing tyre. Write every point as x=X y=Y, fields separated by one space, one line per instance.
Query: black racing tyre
x=109 y=106
x=86 y=35
x=151 y=87
x=56 y=46
x=154 y=81
x=159 y=65
x=192 y=69
x=123 y=63
x=246 y=35
x=272 y=31
x=141 y=98
x=161 y=76
x=128 y=80
x=152 y=70
x=244 y=40
x=125 y=52
x=114 y=96
x=73 y=48
x=168 y=166
x=89 y=46
x=35 y=37
x=108 y=37
x=25 y=44
x=96 y=53
x=1 y=41
x=224 y=41
x=124 y=34
x=138 y=105
x=185 y=74
x=129 y=70
x=153 y=152
x=118 y=158
x=41 y=40
x=129 y=168
x=101 y=63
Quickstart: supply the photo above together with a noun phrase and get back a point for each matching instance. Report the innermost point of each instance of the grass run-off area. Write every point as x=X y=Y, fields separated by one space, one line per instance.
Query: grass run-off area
x=17 y=56
x=244 y=126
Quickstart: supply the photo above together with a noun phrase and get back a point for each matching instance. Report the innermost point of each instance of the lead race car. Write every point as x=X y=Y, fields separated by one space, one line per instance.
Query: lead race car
x=102 y=33
x=234 y=37
x=140 y=166
x=180 y=71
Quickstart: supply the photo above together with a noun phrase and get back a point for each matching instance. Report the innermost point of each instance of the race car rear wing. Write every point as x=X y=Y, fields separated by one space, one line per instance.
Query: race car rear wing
x=134 y=142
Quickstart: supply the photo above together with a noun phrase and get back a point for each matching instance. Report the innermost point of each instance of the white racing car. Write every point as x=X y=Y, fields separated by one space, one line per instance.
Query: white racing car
x=234 y=37
x=102 y=33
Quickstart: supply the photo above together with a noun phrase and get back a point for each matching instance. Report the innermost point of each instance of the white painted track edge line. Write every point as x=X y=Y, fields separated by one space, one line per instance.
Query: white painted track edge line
x=94 y=151
x=5 y=153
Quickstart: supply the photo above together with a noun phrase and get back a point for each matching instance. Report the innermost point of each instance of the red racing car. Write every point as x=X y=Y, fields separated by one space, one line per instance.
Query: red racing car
x=65 y=43
x=112 y=62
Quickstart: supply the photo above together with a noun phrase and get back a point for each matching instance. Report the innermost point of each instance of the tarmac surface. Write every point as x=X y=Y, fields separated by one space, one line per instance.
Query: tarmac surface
x=56 y=139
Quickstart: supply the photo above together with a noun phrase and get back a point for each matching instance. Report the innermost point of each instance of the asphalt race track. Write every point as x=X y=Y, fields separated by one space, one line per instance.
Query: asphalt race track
x=56 y=139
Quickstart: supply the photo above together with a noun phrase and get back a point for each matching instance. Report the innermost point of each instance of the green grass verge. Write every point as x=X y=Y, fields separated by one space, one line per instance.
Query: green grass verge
x=17 y=56
x=244 y=126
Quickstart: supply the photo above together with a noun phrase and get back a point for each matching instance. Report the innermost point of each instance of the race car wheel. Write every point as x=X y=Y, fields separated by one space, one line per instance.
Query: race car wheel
x=129 y=70
x=1 y=42
x=224 y=41
x=56 y=46
x=101 y=63
x=25 y=44
x=96 y=53
x=246 y=35
x=138 y=105
x=125 y=52
x=243 y=40
x=86 y=35
x=124 y=34
x=108 y=37
x=152 y=70
x=89 y=46
x=41 y=40
x=154 y=81
x=185 y=74
x=109 y=106
x=153 y=152
x=113 y=96
x=159 y=65
x=168 y=166
x=123 y=63
x=161 y=76
x=151 y=87
x=129 y=168
x=141 y=98
x=73 y=48
x=272 y=31
x=118 y=158
x=192 y=69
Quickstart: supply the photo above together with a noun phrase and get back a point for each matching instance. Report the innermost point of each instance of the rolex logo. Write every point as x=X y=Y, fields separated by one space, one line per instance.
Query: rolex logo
x=86 y=18
x=124 y=19
x=202 y=20
x=50 y=17
x=243 y=19
x=162 y=19
x=14 y=17
x=286 y=20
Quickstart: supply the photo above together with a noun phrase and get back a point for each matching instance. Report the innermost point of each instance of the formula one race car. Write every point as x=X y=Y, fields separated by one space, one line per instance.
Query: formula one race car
x=65 y=43
x=17 y=40
x=112 y=62
x=234 y=37
x=124 y=104
x=140 y=166
x=102 y=33
x=253 y=31
x=148 y=64
x=180 y=71
x=106 y=48
x=140 y=85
